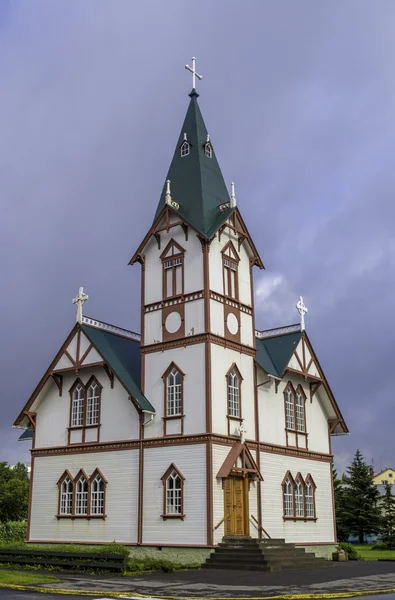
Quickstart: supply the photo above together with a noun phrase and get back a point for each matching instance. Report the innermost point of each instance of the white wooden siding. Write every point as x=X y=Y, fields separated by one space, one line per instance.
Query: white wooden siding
x=219 y=455
x=194 y=317
x=217 y=322
x=191 y=461
x=119 y=418
x=221 y=361
x=191 y=360
x=246 y=329
x=153 y=327
x=273 y=469
x=120 y=469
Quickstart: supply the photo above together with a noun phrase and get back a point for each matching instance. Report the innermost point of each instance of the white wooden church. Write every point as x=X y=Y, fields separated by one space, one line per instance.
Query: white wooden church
x=201 y=425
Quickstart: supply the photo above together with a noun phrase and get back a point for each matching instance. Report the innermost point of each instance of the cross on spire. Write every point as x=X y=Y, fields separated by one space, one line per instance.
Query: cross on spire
x=79 y=300
x=302 y=309
x=194 y=73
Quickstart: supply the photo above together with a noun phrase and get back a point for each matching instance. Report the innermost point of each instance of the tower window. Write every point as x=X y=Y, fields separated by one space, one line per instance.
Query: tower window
x=77 y=419
x=173 y=270
x=184 y=148
x=295 y=412
x=174 y=393
x=208 y=150
x=230 y=260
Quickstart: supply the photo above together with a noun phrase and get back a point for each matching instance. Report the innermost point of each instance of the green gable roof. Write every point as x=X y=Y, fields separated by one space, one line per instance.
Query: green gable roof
x=274 y=353
x=197 y=184
x=123 y=356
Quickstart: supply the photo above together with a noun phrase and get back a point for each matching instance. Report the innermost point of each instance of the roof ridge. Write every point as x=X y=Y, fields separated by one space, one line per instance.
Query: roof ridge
x=114 y=329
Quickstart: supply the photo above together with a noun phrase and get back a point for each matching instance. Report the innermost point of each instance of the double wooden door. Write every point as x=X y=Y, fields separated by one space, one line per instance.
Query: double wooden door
x=236 y=506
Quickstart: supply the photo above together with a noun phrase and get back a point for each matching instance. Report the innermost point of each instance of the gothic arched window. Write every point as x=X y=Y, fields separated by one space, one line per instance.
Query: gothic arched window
x=66 y=486
x=288 y=496
x=98 y=488
x=173 y=489
x=234 y=380
x=93 y=403
x=299 y=496
x=310 y=497
x=184 y=148
x=289 y=395
x=300 y=410
x=208 y=150
x=78 y=400
x=81 y=494
x=174 y=393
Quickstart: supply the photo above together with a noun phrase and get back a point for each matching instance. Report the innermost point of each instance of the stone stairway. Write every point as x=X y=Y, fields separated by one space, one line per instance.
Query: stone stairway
x=249 y=554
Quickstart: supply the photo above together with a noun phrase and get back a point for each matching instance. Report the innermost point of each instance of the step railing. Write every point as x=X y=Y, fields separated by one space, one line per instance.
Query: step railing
x=255 y=522
x=221 y=521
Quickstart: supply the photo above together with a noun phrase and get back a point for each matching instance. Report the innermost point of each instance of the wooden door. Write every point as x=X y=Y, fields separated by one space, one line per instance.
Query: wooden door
x=236 y=506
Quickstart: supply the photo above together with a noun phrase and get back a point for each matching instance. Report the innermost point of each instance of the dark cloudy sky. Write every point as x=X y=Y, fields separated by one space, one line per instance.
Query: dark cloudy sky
x=299 y=99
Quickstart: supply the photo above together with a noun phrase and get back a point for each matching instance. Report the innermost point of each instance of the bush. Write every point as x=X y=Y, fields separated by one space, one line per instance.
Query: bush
x=383 y=546
x=349 y=550
x=13 y=531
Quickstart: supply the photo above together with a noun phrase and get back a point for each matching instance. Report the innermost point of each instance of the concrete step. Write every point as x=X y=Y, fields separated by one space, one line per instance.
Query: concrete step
x=277 y=553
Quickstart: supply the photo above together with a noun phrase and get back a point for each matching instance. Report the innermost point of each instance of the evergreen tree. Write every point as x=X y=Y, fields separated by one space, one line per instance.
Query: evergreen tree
x=342 y=534
x=359 y=512
x=14 y=492
x=388 y=517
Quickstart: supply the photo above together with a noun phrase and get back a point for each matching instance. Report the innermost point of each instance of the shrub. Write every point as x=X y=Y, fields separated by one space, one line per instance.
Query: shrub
x=13 y=532
x=383 y=546
x=349 y=550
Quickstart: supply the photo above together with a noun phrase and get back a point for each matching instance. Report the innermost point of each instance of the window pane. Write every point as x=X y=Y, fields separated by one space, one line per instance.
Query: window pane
x=92 y=413
x=97 y=496
x=173 y=494
x=81 y=497
x=233 y=283
x=233 y=395
x=226 y=280
x=169 y=282
x=309 y=501
x=179 y=279
x=289 y=410
x=174 y=393
x=288 y=499
x=299 y=500
x=77 y=415
x=300 y=412
x=66 y=497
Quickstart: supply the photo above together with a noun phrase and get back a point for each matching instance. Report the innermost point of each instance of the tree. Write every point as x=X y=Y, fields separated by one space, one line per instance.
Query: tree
x=14 y=492
x=342 y=534
x=359 y=512
x=388 y=517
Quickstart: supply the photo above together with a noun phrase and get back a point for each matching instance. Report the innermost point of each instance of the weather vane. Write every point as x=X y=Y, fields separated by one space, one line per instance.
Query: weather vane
x=302 y=309
x=194 y=73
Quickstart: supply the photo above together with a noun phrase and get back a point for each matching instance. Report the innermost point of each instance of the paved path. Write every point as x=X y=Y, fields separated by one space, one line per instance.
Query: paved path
x=341 y=577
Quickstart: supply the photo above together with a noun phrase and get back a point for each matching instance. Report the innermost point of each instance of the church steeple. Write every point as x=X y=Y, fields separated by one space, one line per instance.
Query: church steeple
x=197 y=184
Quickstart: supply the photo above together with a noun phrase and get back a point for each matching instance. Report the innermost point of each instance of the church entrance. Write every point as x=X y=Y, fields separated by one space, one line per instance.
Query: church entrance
x=236 y=506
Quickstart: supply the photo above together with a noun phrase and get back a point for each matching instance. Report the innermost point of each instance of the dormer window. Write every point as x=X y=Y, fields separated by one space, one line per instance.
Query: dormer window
x=230 y=261
x=173 y=270
x=185 y=146
x=208 y=150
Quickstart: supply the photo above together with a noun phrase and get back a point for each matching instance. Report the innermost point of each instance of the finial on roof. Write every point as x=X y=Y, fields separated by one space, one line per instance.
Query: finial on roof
x=302 y=309
x=168 y=195
x=207 y=139
x=79 y=300
x=232 y=196
x=185 y=137
x=194 y=75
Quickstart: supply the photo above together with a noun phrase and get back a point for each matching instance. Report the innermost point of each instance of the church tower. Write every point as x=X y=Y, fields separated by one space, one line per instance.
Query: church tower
x=197 y=313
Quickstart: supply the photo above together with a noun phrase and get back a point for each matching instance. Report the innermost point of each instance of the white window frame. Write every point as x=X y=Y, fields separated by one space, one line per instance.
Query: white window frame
x=81 y=496
x=299 y=499
x=310 y=506
x=288 y=493
x=93 y=403
x=174 y=391
x=208 y=150
x=66 y=496
x=300 y=412
x=78 y=404
x=289 y=408
x=185 y=148
x=97 y=495
x=233 y=381
x=174 y=494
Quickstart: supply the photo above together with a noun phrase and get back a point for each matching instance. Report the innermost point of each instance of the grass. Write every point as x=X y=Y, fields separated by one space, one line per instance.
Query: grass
x=18 y=578
x=366 y=553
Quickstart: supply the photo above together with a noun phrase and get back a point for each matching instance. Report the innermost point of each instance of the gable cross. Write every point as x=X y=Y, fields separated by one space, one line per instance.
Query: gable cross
x=302 y=309
x=194 y=73
x=242 y=432
x=79 y=300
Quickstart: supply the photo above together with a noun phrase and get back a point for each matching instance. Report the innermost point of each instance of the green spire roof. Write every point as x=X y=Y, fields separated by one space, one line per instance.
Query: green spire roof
x=197 y=184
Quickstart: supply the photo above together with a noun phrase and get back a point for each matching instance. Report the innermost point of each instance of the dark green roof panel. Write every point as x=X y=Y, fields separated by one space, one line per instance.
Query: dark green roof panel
x=123 y=356
x=273 y=354
x=26 y=435
x=197 y=184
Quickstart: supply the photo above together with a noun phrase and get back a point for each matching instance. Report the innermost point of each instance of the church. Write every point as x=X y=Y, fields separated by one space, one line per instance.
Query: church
x=202 y=425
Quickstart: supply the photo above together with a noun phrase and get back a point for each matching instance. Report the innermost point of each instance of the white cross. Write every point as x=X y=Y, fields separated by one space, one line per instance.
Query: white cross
x=79 y=300
x=242 y=431
x=302 y=309
x=193 y=71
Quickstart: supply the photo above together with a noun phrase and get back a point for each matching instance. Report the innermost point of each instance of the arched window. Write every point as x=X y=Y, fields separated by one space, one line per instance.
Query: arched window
x=299 y=496
x=81 y=495
x=174 y=393
x=289 y=407
x=288 y=497
x=77 y=415
x=184 y=148
x=310 y=497
x=97 y=494
x=233 y=394
x=173 y=270
x=300 y=410
x=230 y=260
x=93 y=403
x=173 y=487
x=65 y=485
x=208 y=150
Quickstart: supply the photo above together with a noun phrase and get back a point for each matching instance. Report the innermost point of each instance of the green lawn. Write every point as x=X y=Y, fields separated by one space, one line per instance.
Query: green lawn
x=365 y=551
x=19 y=578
